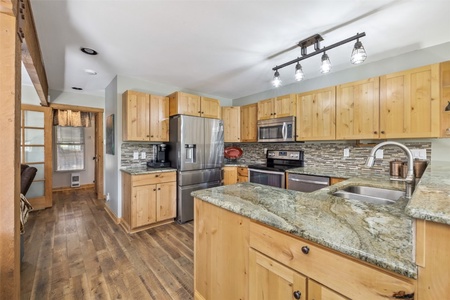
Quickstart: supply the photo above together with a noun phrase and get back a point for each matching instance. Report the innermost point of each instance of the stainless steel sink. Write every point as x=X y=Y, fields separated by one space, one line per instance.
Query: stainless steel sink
x=370 y=194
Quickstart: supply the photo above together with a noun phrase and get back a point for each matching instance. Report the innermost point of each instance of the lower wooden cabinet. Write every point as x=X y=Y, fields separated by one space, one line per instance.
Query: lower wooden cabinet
x=148 y=200
x=232 y=175
x=242 y=174
x=316 y=291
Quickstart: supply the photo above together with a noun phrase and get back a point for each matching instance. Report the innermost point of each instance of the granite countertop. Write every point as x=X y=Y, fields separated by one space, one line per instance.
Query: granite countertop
x=140 y=170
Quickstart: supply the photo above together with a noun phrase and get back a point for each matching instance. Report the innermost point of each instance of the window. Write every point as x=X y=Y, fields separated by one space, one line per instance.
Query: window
x=69 y=144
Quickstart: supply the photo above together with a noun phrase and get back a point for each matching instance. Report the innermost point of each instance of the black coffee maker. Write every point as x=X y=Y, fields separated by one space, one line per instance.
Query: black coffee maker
x=159 y=157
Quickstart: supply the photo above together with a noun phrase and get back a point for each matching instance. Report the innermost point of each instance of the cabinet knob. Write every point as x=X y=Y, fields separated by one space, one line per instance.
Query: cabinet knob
x=375 y=132
x=156 y=175
x=154 y=190
x=305 y=249
x=159 y=189
x=382 y=131
x=151 y=136
x=199 y=112
x=297 y=294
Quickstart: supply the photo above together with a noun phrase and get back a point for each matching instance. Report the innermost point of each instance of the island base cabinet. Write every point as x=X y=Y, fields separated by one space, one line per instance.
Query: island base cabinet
x=316 y=291
x=272 y=280
x=220 y=253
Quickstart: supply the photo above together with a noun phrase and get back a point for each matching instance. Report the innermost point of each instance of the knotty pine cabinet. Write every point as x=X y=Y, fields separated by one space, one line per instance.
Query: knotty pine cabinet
x=445 y=98
x=316 y=115
x=231 y=116
x=232 y=175
x=148 y=200
x=193 y=105
x=145 y=117
x=410 y=103
x=357 y=109
x=279 y=107
x=249 y=122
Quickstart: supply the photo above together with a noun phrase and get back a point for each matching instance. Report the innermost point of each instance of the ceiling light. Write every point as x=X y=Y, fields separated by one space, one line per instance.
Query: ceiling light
x=359 y=54
x=326 y=64
x=89 y=51
x=90 y=72
x=276 y=82
x=299 y=75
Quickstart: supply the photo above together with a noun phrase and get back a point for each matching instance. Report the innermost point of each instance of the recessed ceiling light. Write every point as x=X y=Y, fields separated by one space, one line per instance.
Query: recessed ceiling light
x=89 y=51
x=77 y=88
x=90 y=72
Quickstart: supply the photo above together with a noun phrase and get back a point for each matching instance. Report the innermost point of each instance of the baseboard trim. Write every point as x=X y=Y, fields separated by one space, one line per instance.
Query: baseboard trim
x=68 y=188
x=112 y=215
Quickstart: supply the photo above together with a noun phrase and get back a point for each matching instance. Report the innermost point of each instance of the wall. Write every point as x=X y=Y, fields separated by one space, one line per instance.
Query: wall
x=76 y=98
x=87 y=176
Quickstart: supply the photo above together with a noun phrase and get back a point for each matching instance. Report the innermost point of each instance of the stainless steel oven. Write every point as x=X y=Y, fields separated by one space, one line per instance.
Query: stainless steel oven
x=277 y=130
x=273 y=171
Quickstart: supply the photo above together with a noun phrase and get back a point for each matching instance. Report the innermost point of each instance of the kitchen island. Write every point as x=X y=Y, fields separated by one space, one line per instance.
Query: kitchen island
x=378 y=236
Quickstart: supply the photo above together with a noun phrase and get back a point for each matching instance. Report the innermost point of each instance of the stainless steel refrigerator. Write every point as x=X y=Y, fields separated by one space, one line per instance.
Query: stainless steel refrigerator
x=196 y=150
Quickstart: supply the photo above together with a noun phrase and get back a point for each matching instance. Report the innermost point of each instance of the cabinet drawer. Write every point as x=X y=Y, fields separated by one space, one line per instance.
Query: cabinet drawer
x=331 y=269
x=153 y=178
x=242 y=172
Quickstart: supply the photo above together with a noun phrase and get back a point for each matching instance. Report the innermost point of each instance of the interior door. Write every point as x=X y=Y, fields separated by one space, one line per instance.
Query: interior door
x=36 y=151
x=99 y=155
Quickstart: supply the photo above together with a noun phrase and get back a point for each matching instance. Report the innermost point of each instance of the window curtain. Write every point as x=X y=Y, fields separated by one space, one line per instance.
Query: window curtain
x=71 y=118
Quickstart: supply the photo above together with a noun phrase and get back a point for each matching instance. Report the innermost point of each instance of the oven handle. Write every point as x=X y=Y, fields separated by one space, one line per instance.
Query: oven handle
x=308 y=181
x=284 y=131
x=266 y=171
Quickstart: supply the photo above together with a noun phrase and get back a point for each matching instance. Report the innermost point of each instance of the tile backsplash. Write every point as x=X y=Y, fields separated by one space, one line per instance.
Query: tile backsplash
x=127 y=153
x=331 y=153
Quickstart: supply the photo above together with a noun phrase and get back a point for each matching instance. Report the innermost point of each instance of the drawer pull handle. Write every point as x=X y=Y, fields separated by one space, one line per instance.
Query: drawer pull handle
x=305 y=249
x=297 y=294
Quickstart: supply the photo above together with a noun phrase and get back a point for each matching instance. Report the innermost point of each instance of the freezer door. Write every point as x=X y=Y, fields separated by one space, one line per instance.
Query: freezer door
x=199 y=176
x=213 y=143
x=185 y=202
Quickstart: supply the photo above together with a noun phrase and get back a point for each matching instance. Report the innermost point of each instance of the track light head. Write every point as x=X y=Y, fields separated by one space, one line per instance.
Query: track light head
x=326 y=64
x=276 y=82
x=299 y=75
x=359 y=54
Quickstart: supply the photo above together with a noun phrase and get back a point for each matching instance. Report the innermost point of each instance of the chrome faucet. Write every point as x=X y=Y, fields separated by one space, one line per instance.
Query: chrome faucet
x=409 y=180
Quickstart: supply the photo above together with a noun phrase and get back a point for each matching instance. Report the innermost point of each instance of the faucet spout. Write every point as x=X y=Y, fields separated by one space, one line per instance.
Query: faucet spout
x=409 y=180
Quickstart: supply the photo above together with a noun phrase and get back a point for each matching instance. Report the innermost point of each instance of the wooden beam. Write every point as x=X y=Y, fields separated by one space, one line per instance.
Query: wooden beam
x=76 y=108
x=10 y=163
x=31 y=51
x=6 y=7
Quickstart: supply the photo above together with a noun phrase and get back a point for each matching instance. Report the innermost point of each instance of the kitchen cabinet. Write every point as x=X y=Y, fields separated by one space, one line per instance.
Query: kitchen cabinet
x=445 y=98
x=334 y=180
x=410 y=103
x=316 y=291
x=242 y=174
x=279 y=107
x=357 y=110
x=269 y=279
x=145 y=117
x=249 y=129
x=193 y=105
x=316 y=115
x=231 y=116
x=148 y=200
x=221 y=253
x=234 y=175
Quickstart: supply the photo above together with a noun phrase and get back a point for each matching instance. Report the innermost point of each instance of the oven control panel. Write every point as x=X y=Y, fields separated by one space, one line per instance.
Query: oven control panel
x=285 y=154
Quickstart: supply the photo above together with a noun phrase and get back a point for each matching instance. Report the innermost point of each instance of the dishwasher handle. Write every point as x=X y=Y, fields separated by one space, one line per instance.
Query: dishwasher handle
x=308 y=181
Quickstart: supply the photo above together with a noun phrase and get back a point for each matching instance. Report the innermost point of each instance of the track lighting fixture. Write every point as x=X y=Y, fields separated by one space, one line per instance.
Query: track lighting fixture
x=358 y=56
x=276 y=82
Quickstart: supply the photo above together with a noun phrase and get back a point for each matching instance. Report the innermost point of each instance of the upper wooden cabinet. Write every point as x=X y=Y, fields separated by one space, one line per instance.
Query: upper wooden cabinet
x=231 y=116
x=279 y=107
x=187 y=104
x=410 y=103
x=316 y=115
x=357 y=110
x=445 y=98
x=249 y=130
x=145 y=117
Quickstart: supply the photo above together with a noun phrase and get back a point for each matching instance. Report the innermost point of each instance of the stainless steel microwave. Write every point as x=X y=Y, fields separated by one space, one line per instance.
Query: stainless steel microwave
x=277 y=130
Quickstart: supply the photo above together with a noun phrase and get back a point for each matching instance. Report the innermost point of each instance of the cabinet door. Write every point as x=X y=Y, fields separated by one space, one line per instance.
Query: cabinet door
x=285 y=106
x=249 y=131
x=269 y=279
x=409 y=103
x=242 y=174
x=143 y=205
x=184 y=104
x=166 y=205
x=210 y=108
x=136 y=116
x=159 y=118
x=266 y=109
x=231 y=116
x=357 y=110
x=316 y=291
x=316 y=115
x=229 y=175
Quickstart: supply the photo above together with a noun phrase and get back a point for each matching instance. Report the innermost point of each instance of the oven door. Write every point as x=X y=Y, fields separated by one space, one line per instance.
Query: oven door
x=266 y=177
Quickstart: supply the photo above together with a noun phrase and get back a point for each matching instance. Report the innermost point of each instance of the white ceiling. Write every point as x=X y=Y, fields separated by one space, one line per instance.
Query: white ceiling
x=221 y=48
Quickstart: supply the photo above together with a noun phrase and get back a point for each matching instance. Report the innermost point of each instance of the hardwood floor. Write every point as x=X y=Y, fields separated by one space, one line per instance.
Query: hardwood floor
x=75 y=251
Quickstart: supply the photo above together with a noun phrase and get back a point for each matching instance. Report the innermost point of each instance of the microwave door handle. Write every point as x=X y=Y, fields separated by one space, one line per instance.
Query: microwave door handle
x=284 y=131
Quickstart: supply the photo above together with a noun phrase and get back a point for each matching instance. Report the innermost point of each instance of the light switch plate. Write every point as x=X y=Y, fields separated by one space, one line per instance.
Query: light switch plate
x=379 y=154
x=135 y=154
x=419 y=153
x=143 y=155
x=346 y=152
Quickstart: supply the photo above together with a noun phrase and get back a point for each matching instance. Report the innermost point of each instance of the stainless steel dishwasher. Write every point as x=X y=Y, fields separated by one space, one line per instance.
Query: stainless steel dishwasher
x=306 y=183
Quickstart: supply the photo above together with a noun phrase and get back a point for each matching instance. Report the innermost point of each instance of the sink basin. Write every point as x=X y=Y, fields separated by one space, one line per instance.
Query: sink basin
x=370 y=194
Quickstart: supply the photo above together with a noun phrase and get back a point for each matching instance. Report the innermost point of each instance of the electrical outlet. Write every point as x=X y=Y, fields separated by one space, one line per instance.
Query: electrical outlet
x=265 y=150
x=379 y=154
x=107 y=197
x=143 y=155
x=135 y=154
x=346 y=152
x=419 y=153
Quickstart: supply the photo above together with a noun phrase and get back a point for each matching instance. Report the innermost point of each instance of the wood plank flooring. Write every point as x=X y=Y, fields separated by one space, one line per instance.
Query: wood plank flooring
x=75 y=251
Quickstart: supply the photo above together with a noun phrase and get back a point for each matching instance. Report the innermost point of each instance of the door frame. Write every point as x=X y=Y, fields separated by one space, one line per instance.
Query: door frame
x=98 y=113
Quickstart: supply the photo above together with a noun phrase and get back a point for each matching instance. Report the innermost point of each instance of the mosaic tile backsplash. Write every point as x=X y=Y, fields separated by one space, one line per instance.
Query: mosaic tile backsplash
x=316 y=154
